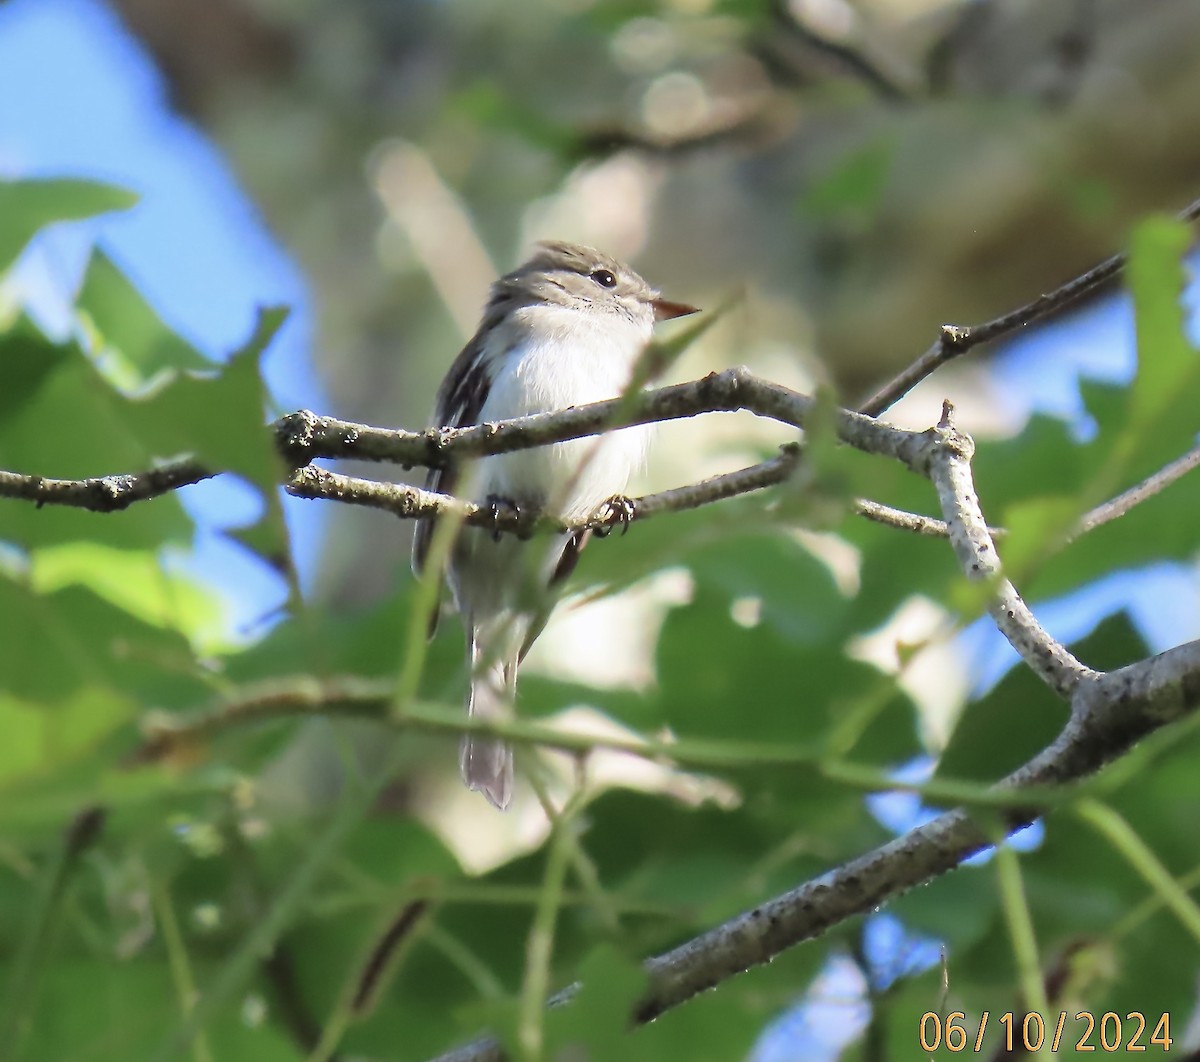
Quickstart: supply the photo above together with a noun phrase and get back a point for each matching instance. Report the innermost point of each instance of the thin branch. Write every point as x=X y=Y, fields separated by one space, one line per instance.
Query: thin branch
x=279 y=969
x=956 y=340
x=949 y=466
x=903 y=520
x=751 y=126
x=112 y=493
x=853 y=60
x=383 y=955
x=415 y=503
x=103 y=494
x=1148 y=488
x=768 y=473
x=1110 y=713
x=357 y=697
x=304 y=437
x=1102 y=514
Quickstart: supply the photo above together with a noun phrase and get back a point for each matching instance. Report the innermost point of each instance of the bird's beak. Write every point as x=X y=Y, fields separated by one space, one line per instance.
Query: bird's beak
x=665 y=310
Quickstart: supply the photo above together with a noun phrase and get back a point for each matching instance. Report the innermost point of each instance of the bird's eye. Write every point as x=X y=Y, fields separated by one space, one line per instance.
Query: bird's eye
x=604 y=278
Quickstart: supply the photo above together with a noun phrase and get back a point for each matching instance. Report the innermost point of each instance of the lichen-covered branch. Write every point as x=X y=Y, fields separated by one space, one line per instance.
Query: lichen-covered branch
x=1110 y=712
x=949 y=466
x=103 y=494
x=304 y=437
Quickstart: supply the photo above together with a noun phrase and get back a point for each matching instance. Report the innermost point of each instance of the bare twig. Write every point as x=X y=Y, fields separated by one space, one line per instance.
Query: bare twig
x=354 y=696
x=1148 y=488
x=103 y=494
x=955 y=340
x=415 y=503
x=949 y=466
x=304 y=437
x=1102 y=514
x=903 y=520
x=853 y=60
x=383 y=955
x=768 y=473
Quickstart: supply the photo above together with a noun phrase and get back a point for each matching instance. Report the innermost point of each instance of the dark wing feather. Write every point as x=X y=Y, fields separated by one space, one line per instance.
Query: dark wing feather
x=459 y=401
x=566 y=565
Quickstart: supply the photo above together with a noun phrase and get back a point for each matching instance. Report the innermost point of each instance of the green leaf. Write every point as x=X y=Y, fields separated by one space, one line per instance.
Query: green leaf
x=39 y=738
x=219 y=419
x=1155 y=420
x=855 y=183
x=71 y=639
x=133 y=580
x=1020 y=716
x=138 y=344
x=61 y=418
x=218 y=416
x=595 y=1025
x=1166 y=360
x=28 y=206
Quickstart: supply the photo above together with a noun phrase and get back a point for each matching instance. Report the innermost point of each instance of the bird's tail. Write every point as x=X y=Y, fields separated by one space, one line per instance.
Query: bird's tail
x=487 y=763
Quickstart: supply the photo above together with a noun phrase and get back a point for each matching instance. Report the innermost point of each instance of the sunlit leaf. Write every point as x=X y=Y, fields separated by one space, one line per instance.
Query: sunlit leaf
x=30 y=205
x=127 y=327
x=132 y=580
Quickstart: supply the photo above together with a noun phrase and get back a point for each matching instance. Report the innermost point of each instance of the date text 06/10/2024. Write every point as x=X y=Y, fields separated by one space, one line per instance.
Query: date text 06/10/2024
x=1083 y=1032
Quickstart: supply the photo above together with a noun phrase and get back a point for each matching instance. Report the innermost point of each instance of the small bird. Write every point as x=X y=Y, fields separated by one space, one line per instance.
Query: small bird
x=564 y=329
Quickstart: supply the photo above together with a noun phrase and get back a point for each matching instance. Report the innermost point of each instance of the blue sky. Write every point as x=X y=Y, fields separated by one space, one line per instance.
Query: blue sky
x=79 y=97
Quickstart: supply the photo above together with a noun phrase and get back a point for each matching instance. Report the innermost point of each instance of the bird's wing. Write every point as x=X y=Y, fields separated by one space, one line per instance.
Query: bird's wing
x=459 y=401
x=567 y=560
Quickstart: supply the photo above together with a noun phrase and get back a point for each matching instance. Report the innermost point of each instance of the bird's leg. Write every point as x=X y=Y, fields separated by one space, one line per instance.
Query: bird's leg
x=499 y=508
x=617 y=510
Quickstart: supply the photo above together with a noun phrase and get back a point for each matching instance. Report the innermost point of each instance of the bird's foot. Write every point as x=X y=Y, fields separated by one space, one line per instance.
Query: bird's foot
x=501 y=509
x=617 y=511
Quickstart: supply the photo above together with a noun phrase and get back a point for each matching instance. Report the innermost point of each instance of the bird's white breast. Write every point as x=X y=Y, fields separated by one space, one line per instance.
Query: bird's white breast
x=556 y=357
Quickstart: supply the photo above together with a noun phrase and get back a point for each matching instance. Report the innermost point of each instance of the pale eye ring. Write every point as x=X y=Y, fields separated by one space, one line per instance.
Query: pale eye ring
x=604 y=278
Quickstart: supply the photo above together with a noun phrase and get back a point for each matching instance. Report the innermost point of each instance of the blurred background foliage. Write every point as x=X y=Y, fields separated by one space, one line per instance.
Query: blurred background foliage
x=855 y=174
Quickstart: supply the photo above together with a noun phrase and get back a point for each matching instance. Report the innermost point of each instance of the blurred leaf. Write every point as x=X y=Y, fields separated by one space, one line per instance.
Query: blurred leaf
x=1036 y=527
x=1139 y=429
x=31 y=205
x=1020 y=716
x=218 y=417
x=134 y=581
x=819 y=492
x=595 y=1025
x=486 y=106
x=39 y=738
x=957 y=908
x=73 y=639
x=854 y=185
x=1168 y=366
x=44 y=927
x=128 y=327
x=61 y=418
